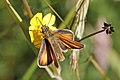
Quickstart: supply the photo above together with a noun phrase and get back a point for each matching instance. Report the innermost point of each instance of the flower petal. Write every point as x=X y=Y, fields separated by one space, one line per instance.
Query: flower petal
x=52 y=27
x=36 y=36
x=31 y=36
x=31 y=28
x=49 y=19
x=36 y=20
x=38 y=40
x=35 y=29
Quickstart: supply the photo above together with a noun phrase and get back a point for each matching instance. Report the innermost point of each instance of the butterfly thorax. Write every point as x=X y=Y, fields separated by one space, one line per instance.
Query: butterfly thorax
x=53 y=40
x=46 y=31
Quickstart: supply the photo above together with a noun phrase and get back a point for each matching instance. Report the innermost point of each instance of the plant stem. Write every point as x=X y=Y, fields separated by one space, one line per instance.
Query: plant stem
x=28 y=8
x=30 y=71
x=98 y=68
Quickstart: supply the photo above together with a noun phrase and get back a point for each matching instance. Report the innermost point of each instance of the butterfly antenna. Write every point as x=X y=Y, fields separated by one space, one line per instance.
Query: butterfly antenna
x=107 y=28
x=37 y=19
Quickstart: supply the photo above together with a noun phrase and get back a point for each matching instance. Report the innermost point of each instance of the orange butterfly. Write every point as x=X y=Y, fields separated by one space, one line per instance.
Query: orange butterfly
x=53 y=44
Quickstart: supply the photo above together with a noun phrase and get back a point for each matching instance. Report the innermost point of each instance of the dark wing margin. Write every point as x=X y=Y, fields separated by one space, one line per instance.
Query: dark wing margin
x=67 y=33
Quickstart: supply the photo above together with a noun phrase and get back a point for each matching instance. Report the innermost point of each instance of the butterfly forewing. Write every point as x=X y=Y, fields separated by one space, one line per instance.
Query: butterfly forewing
x=44 y=56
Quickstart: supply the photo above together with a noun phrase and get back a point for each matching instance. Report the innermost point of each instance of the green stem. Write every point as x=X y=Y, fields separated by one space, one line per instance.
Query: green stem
x=30 y=71
x=18 y=19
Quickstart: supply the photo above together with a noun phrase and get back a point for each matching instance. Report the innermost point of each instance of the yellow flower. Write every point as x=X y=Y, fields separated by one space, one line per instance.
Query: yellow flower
x=35 y=27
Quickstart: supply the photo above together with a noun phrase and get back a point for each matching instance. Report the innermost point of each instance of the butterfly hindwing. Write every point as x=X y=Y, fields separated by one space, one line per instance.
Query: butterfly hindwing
x=65 y=37
x=67 y=34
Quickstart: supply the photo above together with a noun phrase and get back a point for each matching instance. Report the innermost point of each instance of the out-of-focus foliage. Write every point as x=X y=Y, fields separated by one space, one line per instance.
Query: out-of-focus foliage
x=16 y=55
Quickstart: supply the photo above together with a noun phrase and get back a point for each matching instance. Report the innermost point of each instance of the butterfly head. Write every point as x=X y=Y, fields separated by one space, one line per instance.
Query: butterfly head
x=46 y=31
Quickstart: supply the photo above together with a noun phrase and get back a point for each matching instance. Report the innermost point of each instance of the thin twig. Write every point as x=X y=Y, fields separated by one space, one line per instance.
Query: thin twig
x=27 y=8
x=98 y=68
x=54 y=11
x=30 y=71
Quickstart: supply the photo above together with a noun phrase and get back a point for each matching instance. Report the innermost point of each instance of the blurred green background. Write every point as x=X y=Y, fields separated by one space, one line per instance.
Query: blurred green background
x=16 y=55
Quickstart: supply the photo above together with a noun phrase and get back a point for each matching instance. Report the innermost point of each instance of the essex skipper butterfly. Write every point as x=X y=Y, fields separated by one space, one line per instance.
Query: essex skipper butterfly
x=54 y=42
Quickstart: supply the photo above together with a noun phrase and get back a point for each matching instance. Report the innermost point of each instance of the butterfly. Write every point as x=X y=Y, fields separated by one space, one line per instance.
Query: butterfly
x=53 y=44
